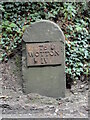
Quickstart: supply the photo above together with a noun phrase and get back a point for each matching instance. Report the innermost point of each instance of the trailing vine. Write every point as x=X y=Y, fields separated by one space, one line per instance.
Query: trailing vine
x=71 y=17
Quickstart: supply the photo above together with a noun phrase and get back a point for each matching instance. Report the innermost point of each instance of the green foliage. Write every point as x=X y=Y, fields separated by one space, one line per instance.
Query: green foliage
x=69 y=10
x=77 y=47
x=73 y=20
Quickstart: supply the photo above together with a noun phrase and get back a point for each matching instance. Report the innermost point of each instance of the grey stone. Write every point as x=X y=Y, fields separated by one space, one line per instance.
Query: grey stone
x=86 y=87
x=46 y=80
x=43 y=31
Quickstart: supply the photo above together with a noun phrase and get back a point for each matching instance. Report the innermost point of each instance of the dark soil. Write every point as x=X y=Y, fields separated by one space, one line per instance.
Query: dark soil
x=15 y=104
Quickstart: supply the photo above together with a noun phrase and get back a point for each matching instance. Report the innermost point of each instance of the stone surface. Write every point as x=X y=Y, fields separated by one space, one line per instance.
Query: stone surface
x=45 y=107
x=45 y=80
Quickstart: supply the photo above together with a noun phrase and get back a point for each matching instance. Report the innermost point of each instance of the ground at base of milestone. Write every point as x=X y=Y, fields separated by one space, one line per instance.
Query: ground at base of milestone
x=14 y=102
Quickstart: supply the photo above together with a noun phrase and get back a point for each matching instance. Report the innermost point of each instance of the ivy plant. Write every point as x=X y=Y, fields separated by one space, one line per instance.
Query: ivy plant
x=17 y=16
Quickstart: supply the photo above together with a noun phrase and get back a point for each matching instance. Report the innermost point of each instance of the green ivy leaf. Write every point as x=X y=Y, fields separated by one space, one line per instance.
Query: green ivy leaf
x=13 y=25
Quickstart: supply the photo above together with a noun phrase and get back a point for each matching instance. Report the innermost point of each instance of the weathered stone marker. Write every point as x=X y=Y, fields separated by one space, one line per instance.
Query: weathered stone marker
x=43 y=58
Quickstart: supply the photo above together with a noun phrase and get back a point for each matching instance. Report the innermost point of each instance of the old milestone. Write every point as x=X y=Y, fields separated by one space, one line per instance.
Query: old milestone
x=43 y=59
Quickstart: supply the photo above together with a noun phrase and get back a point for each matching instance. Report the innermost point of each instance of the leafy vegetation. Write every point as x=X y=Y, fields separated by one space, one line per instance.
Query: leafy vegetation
x=73 y=19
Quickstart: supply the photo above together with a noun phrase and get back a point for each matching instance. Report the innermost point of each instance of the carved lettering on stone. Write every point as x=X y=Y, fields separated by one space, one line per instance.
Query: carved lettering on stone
x=43 y=54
